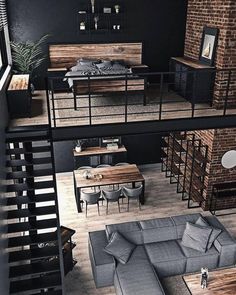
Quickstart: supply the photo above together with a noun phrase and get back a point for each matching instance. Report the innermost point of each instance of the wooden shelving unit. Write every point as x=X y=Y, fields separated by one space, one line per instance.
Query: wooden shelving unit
x=184 y=160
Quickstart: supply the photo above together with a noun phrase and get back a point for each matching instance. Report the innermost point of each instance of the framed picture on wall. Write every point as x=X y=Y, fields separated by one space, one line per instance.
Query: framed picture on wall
x=208 y=45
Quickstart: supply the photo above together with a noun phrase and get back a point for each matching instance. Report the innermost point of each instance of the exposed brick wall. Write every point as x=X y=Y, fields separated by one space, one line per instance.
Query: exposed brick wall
x=219 y=142
x=220 y=14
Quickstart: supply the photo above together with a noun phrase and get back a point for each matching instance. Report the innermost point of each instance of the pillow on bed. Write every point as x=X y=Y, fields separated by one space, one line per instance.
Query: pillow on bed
x=87 y=61
x=104 y=64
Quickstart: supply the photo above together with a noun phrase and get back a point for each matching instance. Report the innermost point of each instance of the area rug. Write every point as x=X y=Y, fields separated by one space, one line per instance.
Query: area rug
x=110 y=108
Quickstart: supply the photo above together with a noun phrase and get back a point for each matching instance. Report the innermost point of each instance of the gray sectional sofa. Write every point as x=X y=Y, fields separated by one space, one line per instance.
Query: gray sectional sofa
x=159 y=253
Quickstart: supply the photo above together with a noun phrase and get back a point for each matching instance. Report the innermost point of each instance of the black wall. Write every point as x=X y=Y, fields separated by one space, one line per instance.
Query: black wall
x=159 y=24
x=141 y=149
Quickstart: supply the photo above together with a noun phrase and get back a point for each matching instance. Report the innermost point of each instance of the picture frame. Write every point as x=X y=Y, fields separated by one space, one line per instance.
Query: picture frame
x=208 y=45
x=107 y=10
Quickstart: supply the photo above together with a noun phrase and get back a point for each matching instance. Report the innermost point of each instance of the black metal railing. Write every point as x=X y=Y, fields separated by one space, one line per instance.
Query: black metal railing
x=136 y=97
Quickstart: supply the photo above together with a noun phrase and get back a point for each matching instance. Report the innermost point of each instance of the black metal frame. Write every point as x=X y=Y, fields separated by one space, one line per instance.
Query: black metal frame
x=163 y=79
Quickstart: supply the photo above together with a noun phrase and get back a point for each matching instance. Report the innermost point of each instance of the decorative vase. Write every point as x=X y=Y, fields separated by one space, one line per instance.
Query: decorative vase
x=78 y=149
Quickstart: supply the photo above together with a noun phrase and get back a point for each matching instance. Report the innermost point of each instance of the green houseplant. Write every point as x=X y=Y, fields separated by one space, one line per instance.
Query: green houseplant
x=28 y=56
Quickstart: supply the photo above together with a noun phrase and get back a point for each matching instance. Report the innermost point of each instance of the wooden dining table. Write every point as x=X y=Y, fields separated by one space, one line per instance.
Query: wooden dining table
x=109 y=176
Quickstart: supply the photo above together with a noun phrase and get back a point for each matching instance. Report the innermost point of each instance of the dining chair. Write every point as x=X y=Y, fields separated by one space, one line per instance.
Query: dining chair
x=133 y=193
x=84 y=167
x=122 y=164
x=112 y=196
x=103 y=165
x=90 y=198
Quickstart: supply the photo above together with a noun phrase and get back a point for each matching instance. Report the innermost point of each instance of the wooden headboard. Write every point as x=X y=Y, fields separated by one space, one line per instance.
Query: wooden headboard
x=66 y=55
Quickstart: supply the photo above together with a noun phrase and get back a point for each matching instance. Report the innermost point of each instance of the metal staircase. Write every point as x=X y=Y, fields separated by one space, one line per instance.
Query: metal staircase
x=34 y=242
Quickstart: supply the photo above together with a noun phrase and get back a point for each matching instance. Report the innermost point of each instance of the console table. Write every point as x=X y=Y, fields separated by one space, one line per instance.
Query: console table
x=19 y=96
x=99 y=152
x=223 y=192
x=193 y=80
x=221 y=282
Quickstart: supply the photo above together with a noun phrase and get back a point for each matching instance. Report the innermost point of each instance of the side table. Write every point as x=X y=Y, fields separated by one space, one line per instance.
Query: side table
x=19 y=96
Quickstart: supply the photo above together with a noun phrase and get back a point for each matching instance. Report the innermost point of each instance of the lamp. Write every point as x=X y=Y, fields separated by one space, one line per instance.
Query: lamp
x=228 y=160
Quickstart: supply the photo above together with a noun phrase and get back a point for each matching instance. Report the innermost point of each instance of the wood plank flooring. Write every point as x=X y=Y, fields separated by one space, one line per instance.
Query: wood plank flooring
x=171 y=110
x=161 y=200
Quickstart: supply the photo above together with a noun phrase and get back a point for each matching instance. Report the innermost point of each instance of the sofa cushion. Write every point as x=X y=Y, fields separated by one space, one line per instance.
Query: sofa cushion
x=137 y=276
x=214 y=234
x=180 y=222
x=119 y=247
x=196 y=237
x=166 y=257
x=196 y=260
x=157 y=230
x=130 y=230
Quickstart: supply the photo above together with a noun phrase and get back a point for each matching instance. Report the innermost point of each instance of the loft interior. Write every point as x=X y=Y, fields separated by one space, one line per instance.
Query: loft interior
x=117 y=147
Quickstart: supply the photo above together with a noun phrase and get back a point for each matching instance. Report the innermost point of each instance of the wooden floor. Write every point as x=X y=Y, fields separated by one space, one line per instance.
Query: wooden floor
x=180 y=108
x=161 y=200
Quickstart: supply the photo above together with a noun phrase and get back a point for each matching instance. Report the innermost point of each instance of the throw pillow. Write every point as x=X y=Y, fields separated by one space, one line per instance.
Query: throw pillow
x=119 y=247
x=196 y=237
x=214 y=234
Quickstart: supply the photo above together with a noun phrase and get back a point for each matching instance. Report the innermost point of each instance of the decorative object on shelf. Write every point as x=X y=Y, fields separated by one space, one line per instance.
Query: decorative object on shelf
x=208 y=45
x=204 y=277
x=82 y=26
x=79 y=145
x=117 y=8
x=87 y=174
x=228 y=160
x=107 y=10
x=27 y=57
x=116 y=27
x=93 y=5
x=96 y=19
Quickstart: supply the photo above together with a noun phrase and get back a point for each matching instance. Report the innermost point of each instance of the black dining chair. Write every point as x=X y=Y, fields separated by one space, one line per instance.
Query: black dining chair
x=90 y=198
x=133 y=193
x=112 y=196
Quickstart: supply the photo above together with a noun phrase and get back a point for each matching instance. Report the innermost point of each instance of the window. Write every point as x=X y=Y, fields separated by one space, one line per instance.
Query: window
x=3 y=43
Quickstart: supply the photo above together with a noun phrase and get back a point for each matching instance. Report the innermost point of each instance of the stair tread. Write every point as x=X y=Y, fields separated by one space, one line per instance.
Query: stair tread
x=32 y=240
x=46 y=210
x=37 y=149
x=35 y=161
x=33 y=199
x=25 y=174
x=47 y=281
x=26 y=226
x=54 y=292
x=27 y=136
x=27 y=187
x=34 y=268
x=37 y=253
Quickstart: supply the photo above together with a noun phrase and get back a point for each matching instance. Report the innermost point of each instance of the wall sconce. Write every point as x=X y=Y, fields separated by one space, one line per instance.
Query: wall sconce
x=228 y=160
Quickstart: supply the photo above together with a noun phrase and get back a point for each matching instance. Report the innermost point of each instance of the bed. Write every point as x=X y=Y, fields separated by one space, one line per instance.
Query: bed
x=68 y=56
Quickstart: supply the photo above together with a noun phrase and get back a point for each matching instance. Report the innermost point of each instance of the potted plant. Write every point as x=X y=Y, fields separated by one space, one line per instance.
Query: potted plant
x=27 y=57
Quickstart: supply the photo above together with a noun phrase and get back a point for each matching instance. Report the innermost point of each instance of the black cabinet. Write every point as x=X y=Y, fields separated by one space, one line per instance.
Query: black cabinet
x=192 y=80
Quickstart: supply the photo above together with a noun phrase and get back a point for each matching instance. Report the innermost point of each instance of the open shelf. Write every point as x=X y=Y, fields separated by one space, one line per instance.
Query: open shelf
x=184 y=160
